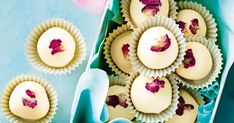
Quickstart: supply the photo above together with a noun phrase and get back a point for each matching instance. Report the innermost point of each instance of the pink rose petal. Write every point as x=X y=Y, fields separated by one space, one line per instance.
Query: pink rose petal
x=114 y=100
x=155 y=85
x=146 y=2
x=151 y=7
x=125 y=50
x=194 y=26
x=30 y=103
x=56 y=46
x=182 y=25
x=162 y=44
x=182 y=106
x=30 y=93
x=189 y=59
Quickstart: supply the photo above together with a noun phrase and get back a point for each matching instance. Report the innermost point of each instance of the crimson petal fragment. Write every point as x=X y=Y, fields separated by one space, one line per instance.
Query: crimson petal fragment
x=56 y=46
x=30 y=103
x=194 y=26
x=182 y=25
x=182 y=106
x=180 y=111
x=30 y=93
x=189 y=59
x=125 y=50
x=112 y=100
x=155 y=85
x=188 y=106
x=150 y=9
x=162 y=44
x=146 y=2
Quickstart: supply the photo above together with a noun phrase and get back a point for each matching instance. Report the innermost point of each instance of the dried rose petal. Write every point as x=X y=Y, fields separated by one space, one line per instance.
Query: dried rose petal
x=181 y=100
x=56 y=46
x=155 y=85
x=180 y=111
x=122 y=100
x=30 y=93
x=125 y=50
x=182 y=106
x=189 y=59
x=146 y=2
x=112 y=100
x=194 y=26
x=188 y=106
x=150 y=9
x=162 y=44
x=30 y=103
x=182 y=25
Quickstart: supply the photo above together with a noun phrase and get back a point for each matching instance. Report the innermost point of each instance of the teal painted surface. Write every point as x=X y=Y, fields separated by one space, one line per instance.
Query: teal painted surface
x=17 y=19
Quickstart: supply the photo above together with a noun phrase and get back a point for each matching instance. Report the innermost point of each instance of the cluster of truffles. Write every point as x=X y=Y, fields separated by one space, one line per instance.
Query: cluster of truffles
x=159 y=44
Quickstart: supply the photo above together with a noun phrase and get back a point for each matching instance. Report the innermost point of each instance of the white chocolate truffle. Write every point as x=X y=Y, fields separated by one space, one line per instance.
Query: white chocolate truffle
x=118 y=111
x=189 y=116
x=120 y=52
x=29 y=101
x=203 y=62
x=195 y=25
x=157 y=60
x=67 y=47
x=147 y=101
x=138 y=16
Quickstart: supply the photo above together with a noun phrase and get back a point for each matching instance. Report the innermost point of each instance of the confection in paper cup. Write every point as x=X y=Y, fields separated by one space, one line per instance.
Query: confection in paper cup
x=125 y=9
x=55 y=46
x=165 y=114
x=215 y=70
x=207 y=16
x=170 y=58
x=116 y=92
x=116 y=50
x=15 y=85
x=186 y=94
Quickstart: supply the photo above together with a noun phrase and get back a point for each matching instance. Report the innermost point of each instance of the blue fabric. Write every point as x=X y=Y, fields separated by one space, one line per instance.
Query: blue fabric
x=89 y=103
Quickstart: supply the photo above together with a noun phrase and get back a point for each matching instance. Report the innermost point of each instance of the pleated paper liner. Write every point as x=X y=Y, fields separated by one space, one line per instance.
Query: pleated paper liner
x=208 y=17
x=125 y=9
x=52 y=96
x=216 y=68
x=33 y=56
x=194 y=93
x=117 y=80
x=107 y=48
x=151 y=117
x=158 y=21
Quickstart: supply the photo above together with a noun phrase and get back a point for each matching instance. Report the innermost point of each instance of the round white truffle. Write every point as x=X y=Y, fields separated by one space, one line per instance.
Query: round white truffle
x=138 y=16
x=29 y=101
x=194 y=24
x=148 y=102
x=152 y=37
x=120 y=52
x=118 y=111
x=203 y=63
x=189 y=116
x=66 y=48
